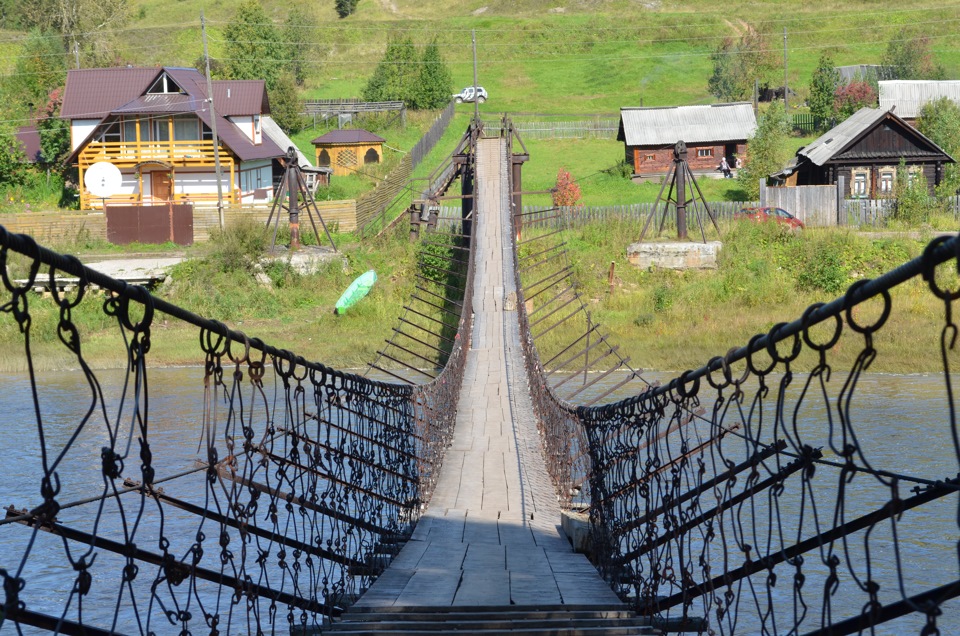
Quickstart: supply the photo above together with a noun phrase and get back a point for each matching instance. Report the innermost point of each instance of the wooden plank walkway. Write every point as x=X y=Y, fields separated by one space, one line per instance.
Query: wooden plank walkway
x=491 y=535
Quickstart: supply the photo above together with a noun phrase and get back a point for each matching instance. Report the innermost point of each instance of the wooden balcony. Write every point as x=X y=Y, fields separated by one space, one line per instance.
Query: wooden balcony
x=126 y=154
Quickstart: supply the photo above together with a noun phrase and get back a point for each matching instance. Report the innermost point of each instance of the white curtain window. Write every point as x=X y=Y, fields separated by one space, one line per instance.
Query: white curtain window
x=185 y=128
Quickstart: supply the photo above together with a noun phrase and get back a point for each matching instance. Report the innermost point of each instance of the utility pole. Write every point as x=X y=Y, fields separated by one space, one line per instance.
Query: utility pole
x=76 y=52
x=476 y=102
x=213 y=123
x=786 y=104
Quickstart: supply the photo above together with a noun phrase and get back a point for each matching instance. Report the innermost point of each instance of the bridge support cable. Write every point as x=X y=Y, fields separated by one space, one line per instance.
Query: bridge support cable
x=309 y=478
x=758 y=491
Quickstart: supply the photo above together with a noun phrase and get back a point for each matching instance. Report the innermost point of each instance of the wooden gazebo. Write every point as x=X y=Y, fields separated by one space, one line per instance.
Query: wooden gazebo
x=347 y=151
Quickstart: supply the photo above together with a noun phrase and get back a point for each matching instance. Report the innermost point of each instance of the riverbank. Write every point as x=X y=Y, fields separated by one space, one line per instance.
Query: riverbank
x=662 y=320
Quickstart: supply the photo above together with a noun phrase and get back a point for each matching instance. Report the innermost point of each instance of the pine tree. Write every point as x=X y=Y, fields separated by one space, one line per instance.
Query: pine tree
x=823 y=87
x=285 y=107
x=254 y=48
x=435 y=82
x=396 y=75
x=345 y=7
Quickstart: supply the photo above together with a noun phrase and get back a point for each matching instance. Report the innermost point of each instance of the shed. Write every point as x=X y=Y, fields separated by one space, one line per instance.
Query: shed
x=866 y=150
x=710 y=131
x=347 y=150
x=908 y=97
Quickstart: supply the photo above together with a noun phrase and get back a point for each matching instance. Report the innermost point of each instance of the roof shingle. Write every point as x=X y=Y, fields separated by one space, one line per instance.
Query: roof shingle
x=692 y=124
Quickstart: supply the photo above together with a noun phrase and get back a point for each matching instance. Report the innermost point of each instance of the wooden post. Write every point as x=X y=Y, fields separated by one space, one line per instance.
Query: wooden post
x=613 y=265
x=763 y=192
x=213 y=127
x=841 y=200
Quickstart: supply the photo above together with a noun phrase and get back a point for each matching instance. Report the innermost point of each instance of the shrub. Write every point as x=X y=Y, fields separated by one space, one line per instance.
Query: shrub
x=239 y=247
x=567 y=191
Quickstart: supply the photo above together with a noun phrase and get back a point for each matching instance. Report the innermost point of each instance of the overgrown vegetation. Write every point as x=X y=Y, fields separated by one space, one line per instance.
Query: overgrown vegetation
x=767 y=151
x=421 y=81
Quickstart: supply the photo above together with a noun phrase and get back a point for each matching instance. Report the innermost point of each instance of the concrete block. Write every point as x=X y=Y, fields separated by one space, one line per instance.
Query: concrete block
x=674 y=255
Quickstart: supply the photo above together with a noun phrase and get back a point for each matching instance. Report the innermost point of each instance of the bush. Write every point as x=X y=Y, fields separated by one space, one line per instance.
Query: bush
x=239 y=247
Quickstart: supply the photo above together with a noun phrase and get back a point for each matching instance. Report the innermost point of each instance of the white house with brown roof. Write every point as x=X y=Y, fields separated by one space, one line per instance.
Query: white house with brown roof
x=155 y=125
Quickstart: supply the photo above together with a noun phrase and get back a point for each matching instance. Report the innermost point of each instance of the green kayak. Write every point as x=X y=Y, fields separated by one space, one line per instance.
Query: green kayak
x=357 y=290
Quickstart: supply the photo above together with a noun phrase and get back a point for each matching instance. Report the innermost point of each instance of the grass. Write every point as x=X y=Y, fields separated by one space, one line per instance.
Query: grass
x=672 y=321
x=588 y=159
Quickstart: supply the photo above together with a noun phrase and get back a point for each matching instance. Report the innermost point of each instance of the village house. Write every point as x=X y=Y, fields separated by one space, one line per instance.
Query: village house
x=711 y=132
x=907 y=97
x=155 y=125
x=866 y=150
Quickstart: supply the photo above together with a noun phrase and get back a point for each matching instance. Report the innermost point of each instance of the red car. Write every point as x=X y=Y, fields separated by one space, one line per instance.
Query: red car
x=779 y=215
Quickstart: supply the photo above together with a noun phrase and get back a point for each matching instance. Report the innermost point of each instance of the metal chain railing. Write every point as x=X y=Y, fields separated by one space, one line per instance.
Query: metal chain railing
x=748 y=497
x=308 y=479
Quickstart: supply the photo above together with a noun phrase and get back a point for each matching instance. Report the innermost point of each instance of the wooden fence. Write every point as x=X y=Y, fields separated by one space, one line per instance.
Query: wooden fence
x=374 y=207
x=57 y=227
x=816 y=206
x=576 y=216
x=432 y=136
x=583 y=129
x=808 y=124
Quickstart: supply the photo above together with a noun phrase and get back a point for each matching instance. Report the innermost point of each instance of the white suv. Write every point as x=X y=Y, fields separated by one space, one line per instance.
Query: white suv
x=466 y=95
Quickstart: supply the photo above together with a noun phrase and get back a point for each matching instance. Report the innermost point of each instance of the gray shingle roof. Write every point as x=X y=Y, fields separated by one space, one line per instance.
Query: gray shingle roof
x=692 y=124
x=272 y=130
x=909 y=96
x=838 y=138
x=824 y=147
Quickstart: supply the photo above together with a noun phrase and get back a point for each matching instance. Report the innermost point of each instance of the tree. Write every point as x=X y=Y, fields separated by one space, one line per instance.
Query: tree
x=823 y=88
x=940 y=121
x=435 y=82
x=299 y=36
x=285 y=107
x=253 y=46
x=13 y=165
x=395 y=78
x=910 y=58
x=40 y=68
x=345 y=7
x=766 y=150
x=566 y=192
x=739 y=63
x=852 y=97
x=54 y=133
x=88 y=23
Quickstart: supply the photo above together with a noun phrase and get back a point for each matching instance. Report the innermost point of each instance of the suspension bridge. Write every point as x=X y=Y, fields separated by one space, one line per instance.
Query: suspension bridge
x=742 y=497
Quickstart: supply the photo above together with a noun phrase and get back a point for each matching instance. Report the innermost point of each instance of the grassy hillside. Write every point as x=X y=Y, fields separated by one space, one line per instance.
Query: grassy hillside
x=560 y=55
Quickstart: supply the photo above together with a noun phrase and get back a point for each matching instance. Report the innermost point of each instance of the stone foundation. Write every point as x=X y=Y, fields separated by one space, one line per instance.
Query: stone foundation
x=674 y=255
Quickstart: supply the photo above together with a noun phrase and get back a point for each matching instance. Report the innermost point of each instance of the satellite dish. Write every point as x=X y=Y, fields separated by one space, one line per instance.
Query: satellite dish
x=103 y=179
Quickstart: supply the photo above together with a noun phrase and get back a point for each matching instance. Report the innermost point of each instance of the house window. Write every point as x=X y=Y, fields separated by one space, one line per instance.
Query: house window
x=704 y=152
x=886 y=182
x=164 y=85
x=650 y=157
x=111 y=133
x=185 y=128
x=129 y=129
x=207 y=134
x=859 y=185
x=161 y=129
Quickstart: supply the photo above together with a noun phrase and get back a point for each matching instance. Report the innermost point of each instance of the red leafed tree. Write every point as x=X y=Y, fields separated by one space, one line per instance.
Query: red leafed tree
x=850 y=98
x=567 y=192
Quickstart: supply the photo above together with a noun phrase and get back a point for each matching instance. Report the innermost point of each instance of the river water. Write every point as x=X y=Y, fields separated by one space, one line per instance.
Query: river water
x=901 y=422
